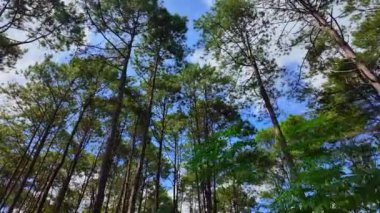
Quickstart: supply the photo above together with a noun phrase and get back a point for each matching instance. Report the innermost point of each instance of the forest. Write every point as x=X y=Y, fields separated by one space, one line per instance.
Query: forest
x=236 y=107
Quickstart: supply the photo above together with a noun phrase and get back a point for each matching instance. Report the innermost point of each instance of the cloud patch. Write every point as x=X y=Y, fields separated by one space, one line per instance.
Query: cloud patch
x=208 y=3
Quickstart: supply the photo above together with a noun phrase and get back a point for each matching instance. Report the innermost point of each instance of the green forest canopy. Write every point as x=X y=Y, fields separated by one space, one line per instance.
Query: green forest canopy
x=129 y=124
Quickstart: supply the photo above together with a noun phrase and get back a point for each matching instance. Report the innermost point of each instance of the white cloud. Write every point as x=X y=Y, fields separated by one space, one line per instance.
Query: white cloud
x=202 y=58
x=35 y=53
x=209 y=3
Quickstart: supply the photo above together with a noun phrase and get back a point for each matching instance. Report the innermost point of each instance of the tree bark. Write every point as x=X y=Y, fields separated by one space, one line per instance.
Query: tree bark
x=13 y=180
x=214 y=191
x=276 y=125
x=65 y=152
x=206 y=132
x=175 y=180
x=145 y=139
x=198 y=141
x=112 y=142
x=65 y=185
x=121 y=196
x=35 y=157
x=141 y=194
x=129 y=168
x=159 y=158
x=344 y=48
x=85 y=184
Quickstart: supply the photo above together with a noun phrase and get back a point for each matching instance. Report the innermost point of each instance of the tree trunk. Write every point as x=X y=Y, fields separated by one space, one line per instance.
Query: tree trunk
x=13 y=180
x=159 y=158
x=175 y=180
x=276 y=125
x=39 y=147
x=35 y=157
x=65 y=185
x=208 y=195
x=199 y=183
x=112 y=142
x=109 y=194
x=65 y=152
x=214 y=191
x=40 y=182
x=199 y=198
x=346 y=50
x=178 y=199
x=85 y=184
x=126 y=195
x=206 y=132
x=141 y=194
x=145 y=139
x=121 y=196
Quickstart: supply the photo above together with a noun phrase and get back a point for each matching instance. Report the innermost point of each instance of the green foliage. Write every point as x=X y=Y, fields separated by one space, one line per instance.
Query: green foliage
x=234 y=199
x=322 y=146
x=134 y=81
x=366 y=37
x=52 y=23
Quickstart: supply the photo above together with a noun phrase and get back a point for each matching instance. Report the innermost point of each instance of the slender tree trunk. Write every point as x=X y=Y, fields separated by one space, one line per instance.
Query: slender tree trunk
x=198 y=192
x=13 y=180
x=17 y=179
x=109 y=195
x=143 y=184
x=43 y=185
x=178 y=199
x=145 y=139
x=129 y=167
x=208 y=194
x=199 y=183
x=141 y=202
x=39 y=172
x=118 y=202
x=92 y=199
x=191 y=205
x=34 y=160
x=214 y=191
x=136 y=182
x=65 y=152
x=159 y=158
x=276 y=125
x=175 y=204
x=65 y=185
x=40 y=178
x=112 y=142
x=121 y=196
x=206 y=131
x=86 y=182
x=40 y=145
x=345 y=49
x=25 y=166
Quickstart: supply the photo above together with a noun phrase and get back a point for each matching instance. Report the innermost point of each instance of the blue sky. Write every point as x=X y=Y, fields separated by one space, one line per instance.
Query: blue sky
x=193 y=9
